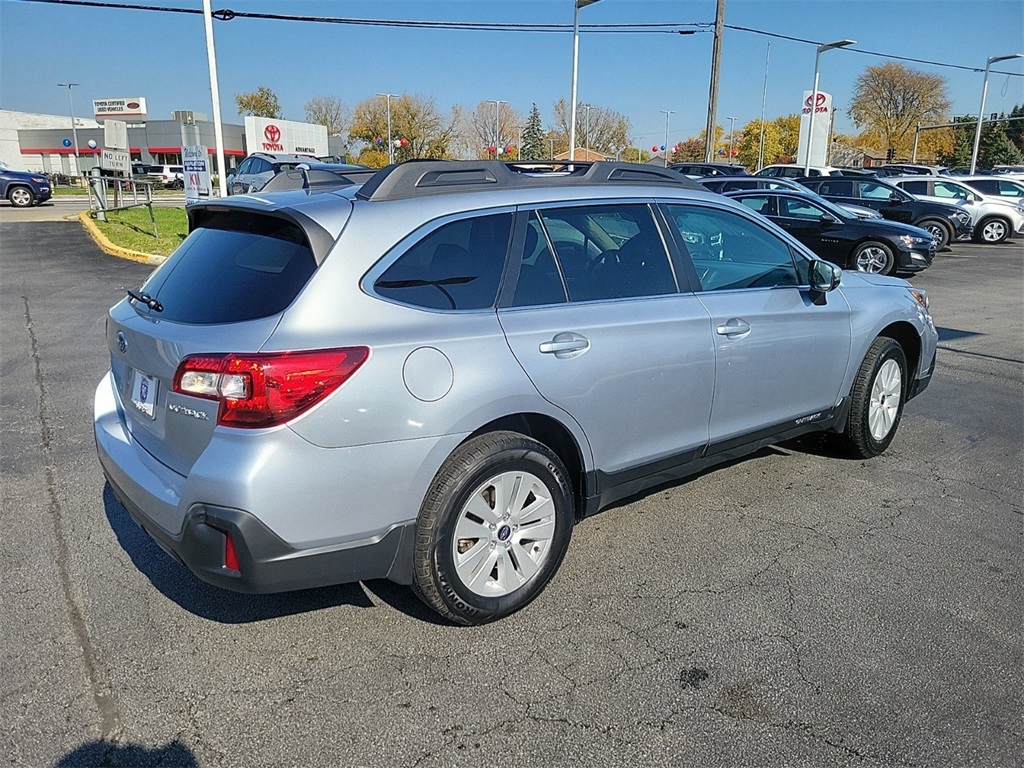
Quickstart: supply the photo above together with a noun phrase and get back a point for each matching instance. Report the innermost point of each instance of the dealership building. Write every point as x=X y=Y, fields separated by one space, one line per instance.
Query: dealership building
x=36 y=142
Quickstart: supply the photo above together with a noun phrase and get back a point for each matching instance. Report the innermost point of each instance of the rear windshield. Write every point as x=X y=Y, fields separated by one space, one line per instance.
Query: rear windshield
x=235 y=267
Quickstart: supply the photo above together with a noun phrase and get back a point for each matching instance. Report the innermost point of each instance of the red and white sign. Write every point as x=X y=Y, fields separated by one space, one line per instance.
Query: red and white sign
x=264 y=134
x=822 y=115
x=134 y=106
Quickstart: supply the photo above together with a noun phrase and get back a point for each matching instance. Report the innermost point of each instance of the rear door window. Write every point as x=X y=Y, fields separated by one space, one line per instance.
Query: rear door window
x=609 y=251
x=236 y=267
x=457 y=266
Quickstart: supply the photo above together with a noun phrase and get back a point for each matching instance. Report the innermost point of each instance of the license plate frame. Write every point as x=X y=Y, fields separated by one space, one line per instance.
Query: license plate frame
x=145 y=389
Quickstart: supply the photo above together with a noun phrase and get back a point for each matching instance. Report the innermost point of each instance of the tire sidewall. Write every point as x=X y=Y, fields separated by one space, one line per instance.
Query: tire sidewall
x=456 y=595
x=891 y=352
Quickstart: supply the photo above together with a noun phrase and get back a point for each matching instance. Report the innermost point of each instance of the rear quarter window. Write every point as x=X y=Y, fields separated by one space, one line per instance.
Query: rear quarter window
x=236 y=267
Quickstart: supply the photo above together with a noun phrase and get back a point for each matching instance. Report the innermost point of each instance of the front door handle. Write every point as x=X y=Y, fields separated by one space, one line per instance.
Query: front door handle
x=565 y=345
x=733 y=327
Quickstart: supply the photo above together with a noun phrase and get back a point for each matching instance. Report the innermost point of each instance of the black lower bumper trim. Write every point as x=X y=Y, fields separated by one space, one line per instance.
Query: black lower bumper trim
x=266 y=562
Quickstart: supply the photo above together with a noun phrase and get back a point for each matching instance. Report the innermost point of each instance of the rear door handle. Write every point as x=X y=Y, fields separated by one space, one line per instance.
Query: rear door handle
x=733 y=327
x=565 y=345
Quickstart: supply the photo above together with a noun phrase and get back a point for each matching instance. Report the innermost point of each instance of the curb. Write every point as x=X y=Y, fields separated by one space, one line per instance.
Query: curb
x=115 y=250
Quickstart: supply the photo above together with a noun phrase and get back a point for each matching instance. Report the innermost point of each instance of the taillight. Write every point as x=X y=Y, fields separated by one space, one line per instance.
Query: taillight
x=266 y=389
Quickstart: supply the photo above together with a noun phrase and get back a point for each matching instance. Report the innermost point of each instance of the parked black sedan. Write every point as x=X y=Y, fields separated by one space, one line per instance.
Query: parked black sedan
x=868 y=245
x=947 y=222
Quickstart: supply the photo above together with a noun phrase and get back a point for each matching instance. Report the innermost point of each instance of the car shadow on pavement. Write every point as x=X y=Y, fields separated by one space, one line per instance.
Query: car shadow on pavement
x=104 y=752
x=178 y=583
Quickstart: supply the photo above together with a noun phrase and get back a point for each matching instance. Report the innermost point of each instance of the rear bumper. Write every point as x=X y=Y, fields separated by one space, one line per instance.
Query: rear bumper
x=191 y=518
x=266 y=563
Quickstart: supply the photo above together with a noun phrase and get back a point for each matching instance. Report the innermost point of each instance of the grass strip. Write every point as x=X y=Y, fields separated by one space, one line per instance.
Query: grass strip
x=133 y=229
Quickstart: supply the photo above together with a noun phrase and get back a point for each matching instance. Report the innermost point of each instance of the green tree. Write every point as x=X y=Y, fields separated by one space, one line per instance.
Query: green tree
x=260 y=103
x=789 y=139
x=748 y=144
x=996 y=147
x=891 y=99
x=534 y=147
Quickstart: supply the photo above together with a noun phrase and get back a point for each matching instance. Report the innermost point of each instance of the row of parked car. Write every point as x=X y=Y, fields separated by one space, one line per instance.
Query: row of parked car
x=881 y=225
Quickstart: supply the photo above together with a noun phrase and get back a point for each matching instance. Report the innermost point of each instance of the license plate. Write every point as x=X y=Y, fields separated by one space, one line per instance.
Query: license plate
x=144 y=390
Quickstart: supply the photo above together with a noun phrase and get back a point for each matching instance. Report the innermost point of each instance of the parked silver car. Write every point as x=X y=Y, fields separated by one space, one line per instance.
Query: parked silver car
x=433 y=377
x=260 y=167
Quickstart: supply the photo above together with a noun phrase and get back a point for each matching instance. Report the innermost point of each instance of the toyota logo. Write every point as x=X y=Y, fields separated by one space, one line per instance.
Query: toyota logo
x=133 y=105
x=820 y=101
x=122 y=342
x=272 y=134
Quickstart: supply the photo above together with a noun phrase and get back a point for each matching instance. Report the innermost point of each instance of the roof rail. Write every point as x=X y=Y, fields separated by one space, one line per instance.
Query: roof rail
x=419 y=178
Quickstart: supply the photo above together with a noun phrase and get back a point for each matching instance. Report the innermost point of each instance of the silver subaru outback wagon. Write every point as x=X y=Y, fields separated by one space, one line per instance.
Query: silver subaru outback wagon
x=432 y=377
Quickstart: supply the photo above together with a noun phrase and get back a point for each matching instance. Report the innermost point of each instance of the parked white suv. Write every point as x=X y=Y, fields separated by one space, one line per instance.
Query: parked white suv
x=994 y=218
x=172 y=176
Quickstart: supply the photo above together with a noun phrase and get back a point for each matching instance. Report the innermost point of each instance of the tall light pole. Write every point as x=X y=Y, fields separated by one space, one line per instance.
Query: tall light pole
x=764 y=97
x=668 y=113
x=218 y=127
x=814 y=98
x=74 y=128
x=981 y=110
x=586 y=123
x=577 y=4
x=497 y=129
x=732 y=134
x=391 y=144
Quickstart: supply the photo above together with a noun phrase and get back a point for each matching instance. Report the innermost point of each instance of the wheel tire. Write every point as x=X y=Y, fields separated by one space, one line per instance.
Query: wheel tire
x=942 y=232
x=992 y=231
x=874 y=258
x=458 y=506
x=873 y=418
x=21 y=197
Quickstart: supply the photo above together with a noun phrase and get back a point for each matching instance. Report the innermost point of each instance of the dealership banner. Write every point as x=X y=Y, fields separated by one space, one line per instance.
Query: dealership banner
x=134 y=106
x=822 y=118
x=267 y=134
x=196 y=165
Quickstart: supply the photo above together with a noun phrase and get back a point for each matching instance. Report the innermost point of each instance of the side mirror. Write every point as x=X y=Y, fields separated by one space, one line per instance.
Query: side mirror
x=896 y=199
x=824 y=276
x=827 y=218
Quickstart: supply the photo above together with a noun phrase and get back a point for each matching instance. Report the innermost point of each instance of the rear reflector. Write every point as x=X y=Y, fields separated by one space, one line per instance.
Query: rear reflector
x=230 y=556
x=266 y=389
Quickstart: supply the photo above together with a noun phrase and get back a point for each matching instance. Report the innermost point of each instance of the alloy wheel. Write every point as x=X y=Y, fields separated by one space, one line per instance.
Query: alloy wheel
x=886 y=392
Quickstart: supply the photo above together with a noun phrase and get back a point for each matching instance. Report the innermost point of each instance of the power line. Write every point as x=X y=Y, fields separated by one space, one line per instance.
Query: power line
x=671 y=28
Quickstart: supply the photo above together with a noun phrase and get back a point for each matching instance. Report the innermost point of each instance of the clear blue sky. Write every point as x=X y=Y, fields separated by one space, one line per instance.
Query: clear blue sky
x=163 y=57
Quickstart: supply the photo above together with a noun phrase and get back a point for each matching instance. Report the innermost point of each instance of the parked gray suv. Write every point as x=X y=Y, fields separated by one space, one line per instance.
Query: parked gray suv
x=432 y=377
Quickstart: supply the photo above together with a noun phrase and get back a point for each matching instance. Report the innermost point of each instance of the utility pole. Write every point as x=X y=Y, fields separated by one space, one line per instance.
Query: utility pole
x=716 y=60
x=668 y=113
x=764 y=97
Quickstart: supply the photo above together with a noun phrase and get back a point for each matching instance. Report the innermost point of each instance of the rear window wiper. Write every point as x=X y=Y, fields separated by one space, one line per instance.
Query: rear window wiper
x=145 y=298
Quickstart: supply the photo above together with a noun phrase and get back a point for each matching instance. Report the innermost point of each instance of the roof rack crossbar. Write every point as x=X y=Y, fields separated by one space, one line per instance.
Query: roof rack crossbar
x=418 y=178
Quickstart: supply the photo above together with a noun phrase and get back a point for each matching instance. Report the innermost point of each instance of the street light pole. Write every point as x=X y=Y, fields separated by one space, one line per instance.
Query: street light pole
x=814 y=98
x=577 y=4
x=74 y=128
x=981 y=110
x=667 y=113
x=497 y=130
x=732 y=134
x=391 y=144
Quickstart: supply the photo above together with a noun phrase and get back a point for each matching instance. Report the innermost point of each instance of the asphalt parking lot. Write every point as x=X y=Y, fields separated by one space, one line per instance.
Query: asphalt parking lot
x=792 y=609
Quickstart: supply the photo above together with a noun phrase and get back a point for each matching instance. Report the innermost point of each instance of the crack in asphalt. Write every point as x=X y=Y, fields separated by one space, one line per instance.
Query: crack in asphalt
x=99 y=687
